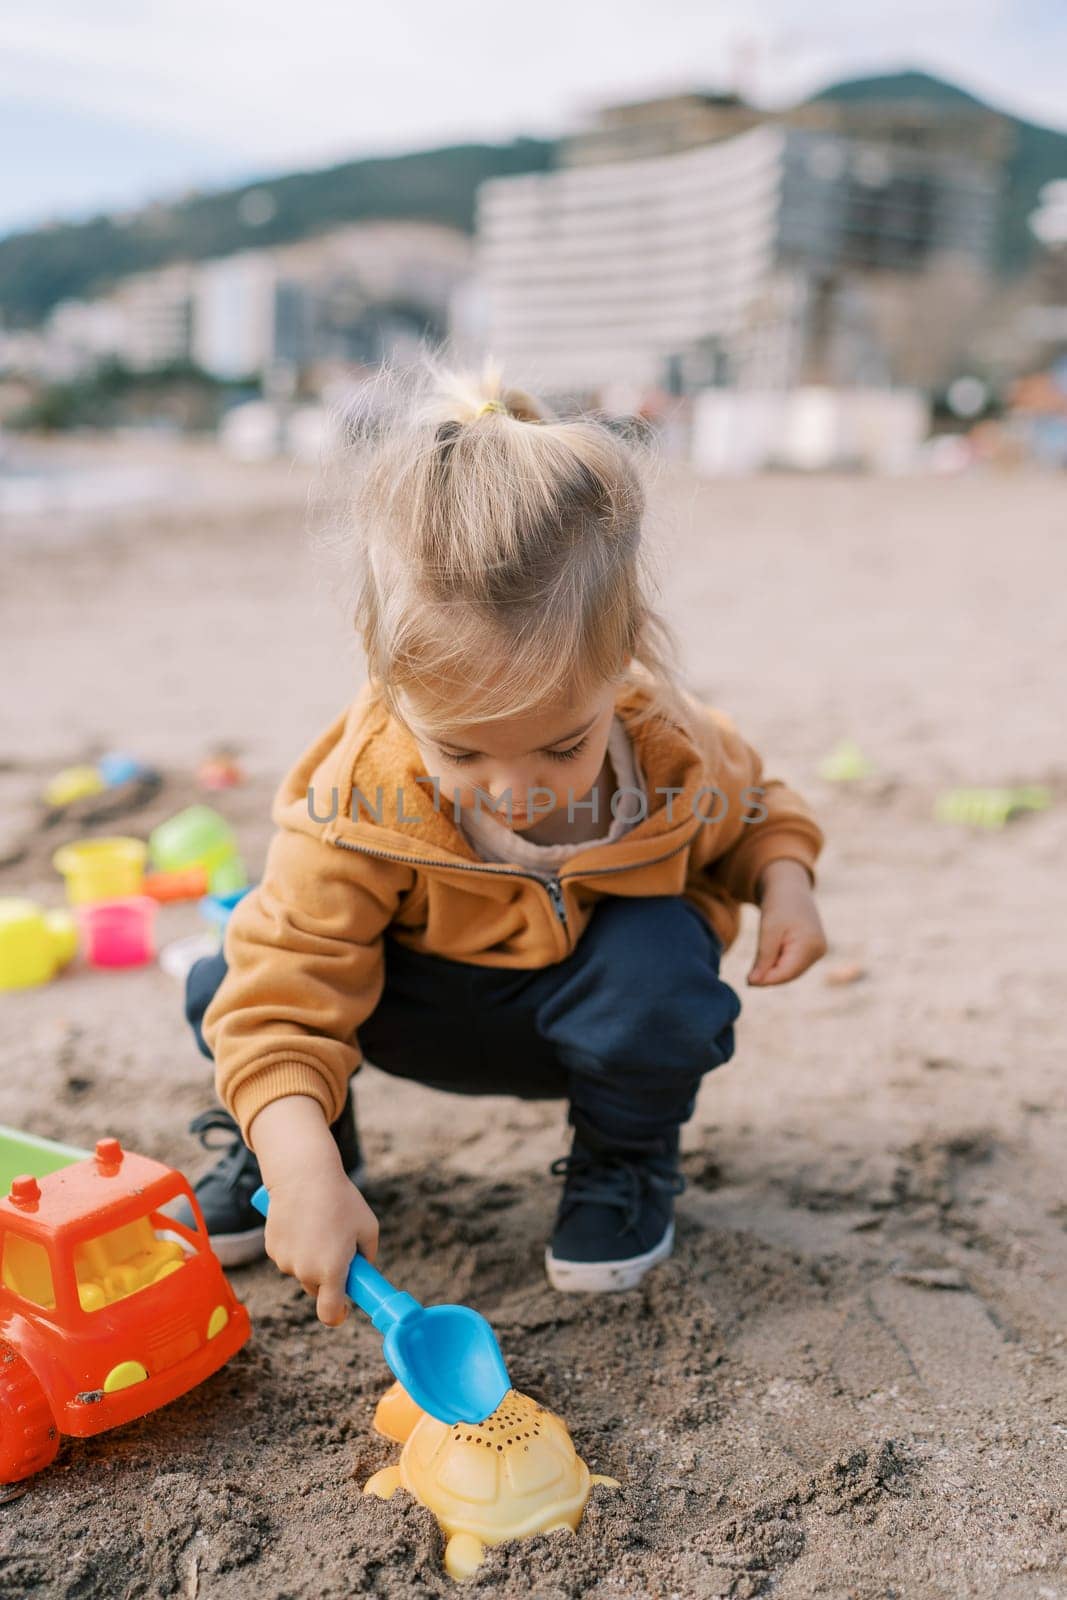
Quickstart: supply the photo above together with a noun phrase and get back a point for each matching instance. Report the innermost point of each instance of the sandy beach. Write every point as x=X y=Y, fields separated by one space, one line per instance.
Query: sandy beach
x=849 y=1380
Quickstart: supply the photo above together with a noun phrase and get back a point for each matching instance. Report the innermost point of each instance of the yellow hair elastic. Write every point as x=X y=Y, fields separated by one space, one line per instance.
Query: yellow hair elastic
x=492 y=405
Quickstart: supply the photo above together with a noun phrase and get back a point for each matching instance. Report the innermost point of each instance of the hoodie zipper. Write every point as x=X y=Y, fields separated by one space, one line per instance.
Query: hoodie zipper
x=555 y=894
x=553 y=886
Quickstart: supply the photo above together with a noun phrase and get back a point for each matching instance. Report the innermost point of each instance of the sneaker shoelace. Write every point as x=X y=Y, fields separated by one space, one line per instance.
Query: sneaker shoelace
x=217 y=1130
x=611 y=1178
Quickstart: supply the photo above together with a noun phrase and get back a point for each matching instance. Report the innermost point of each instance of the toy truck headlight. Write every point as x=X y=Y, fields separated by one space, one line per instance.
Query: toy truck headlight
x=217 y=1321
x=125 y=1374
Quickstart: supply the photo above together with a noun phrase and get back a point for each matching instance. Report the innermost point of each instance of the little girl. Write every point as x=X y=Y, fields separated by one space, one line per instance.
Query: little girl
x=510 y=867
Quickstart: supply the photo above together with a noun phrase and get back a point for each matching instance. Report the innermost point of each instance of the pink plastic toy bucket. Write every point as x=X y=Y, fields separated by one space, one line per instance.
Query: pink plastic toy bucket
x=119 y=933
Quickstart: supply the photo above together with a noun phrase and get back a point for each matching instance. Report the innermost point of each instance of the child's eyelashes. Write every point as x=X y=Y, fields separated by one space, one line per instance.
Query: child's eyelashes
x=464 y=758
x=567 y=755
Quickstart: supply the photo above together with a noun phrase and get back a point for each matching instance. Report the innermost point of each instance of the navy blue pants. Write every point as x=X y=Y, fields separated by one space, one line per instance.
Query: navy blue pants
x=624 y=1028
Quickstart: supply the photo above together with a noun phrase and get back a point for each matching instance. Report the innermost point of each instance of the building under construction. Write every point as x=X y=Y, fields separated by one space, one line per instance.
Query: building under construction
x=691 y=241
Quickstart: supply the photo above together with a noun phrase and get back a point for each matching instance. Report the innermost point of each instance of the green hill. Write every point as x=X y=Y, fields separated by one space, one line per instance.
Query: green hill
x=905 y=85
x=73 y=260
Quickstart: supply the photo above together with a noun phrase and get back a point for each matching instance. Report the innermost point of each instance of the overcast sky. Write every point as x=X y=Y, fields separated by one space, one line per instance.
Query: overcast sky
x=111 y=102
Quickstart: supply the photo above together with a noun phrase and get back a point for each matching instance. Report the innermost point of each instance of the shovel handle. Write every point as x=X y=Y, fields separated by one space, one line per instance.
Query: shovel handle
x=364 y=1285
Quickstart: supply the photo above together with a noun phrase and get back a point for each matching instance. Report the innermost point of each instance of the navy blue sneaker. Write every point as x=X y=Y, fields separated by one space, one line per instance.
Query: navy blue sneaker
x=225 y=1191
x=616 y=1217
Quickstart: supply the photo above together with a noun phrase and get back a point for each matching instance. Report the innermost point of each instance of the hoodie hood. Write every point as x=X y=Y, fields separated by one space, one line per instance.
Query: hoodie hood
x=363 y=784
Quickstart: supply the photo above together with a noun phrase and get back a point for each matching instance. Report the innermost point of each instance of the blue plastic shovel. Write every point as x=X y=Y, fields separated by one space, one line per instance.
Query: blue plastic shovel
x=446 y=1357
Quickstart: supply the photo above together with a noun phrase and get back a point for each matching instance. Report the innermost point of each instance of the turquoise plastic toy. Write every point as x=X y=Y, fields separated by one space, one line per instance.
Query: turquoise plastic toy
x=218 y=908
x=118 y=767
x=446 y=1357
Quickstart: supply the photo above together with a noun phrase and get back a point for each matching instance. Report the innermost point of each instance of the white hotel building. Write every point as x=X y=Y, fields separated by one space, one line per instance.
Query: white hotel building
x=705 y=265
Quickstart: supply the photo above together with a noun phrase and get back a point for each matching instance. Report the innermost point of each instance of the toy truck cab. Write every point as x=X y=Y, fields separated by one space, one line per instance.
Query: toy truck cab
x=108 y=1306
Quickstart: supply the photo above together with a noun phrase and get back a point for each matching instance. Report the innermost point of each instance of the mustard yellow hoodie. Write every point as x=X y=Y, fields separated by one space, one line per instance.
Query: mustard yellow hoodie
x=363 y=847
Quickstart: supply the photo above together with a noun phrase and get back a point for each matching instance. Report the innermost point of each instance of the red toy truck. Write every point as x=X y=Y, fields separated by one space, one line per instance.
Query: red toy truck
x=108 y=1307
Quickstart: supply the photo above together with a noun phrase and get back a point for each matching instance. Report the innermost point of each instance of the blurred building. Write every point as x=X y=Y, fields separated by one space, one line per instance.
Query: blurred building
x=762 y=257
x=356 y=296
x=607 y=273
x=372 y=291
x=235 y=316
x=658 y=127
x=847 y=202
x=78 y=336
x=942 y=126
x=1045 y=318
x=145 y=324
x=156 y=309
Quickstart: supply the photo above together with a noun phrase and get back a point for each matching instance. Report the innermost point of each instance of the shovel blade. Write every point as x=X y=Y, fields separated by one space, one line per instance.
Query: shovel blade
x=448 y=1360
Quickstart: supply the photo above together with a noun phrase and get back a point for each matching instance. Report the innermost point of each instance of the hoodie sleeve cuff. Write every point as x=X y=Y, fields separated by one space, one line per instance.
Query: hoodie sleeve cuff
x=779 y=844
x=275 y=1080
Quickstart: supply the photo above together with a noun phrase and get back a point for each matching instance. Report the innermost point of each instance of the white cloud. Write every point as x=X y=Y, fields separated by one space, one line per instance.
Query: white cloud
x=279 y=86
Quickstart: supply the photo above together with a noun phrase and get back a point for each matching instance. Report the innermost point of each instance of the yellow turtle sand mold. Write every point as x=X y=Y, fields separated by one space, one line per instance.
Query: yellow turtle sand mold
x=511 y=1476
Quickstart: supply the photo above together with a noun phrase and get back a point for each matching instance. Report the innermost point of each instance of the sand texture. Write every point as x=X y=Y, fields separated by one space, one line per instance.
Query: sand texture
x=849 y=1381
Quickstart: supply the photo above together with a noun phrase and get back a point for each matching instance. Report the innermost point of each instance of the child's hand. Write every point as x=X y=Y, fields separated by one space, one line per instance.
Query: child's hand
x=314 y=1228
x=318 y=1219
x=791 y=937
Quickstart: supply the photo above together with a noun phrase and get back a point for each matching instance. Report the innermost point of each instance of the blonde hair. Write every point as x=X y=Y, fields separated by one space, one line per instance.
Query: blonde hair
x=499 y=565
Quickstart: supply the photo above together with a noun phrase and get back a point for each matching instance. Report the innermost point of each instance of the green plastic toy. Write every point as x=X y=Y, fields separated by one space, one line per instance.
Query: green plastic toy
x=846 y=763
x=22 y=1152
x=989 y=808
x=199 y=837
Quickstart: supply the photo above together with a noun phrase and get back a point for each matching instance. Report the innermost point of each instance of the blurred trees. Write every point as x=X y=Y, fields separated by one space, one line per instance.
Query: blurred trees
x=73 y=260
